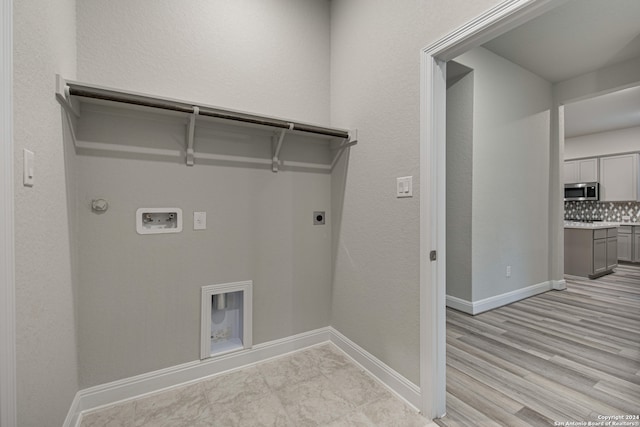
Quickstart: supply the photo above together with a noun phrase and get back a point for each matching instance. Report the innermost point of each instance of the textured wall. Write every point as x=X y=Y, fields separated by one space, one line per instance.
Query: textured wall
x=603 y=143
x=44 y=44
x=268 y=56
x=511 y=137
x=140 y=295
x=375 y=87
x=459 y=183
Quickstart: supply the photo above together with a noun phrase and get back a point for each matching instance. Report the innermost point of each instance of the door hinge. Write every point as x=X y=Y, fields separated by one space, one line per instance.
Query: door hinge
x=432 y=255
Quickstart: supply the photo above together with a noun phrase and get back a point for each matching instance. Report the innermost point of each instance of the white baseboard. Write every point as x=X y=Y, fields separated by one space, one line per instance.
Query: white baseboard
x=559 y=285
x=477 y=307
x=73 y=416
x=129 y=388
x=133 y=387
x=398 y=384
x=460 y=304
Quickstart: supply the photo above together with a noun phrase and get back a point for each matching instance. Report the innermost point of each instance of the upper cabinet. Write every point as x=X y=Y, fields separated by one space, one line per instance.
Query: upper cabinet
x=619 y=178
x=584 y=170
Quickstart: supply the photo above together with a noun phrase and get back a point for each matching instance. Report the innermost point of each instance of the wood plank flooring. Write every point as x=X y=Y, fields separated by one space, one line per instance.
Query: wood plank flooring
x=561 y=356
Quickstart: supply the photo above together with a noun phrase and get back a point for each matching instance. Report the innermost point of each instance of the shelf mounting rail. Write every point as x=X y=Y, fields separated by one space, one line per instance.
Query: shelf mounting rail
x=65 y=90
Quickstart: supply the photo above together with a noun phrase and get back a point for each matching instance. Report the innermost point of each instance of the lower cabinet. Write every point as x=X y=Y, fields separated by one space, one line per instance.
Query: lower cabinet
x=612 y=252
x=629 y=243
x=636 y=245
x=591 y=252
x=599 y=256
x=625 y=243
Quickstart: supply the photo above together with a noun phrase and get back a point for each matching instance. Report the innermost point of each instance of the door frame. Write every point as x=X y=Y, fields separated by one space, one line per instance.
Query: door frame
x=8 y=408
x=433 y=69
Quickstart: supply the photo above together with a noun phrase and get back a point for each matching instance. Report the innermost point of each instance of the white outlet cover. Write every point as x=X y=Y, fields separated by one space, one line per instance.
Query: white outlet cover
x=199 y=220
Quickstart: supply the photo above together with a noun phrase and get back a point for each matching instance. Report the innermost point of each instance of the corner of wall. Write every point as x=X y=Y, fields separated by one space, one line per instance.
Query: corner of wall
x=44 y=44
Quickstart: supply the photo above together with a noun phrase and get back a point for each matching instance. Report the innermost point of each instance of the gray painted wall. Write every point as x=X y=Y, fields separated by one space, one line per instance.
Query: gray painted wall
x=47 y=377
x=140 y=295
x=269 y=57
x=459 y=181
x=375 y=87
x=511 y=151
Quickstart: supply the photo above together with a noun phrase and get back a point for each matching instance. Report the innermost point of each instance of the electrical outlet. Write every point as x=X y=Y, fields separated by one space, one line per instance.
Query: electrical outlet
x=508 y=273
x=626 y=217
x=318 y=217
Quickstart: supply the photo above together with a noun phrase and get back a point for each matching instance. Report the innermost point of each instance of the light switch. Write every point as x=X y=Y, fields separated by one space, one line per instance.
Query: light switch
x=199 y=220
x=404 y=186
x=29 y=173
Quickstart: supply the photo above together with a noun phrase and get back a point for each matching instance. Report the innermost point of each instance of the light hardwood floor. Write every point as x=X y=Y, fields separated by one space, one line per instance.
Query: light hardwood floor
x=561 y=356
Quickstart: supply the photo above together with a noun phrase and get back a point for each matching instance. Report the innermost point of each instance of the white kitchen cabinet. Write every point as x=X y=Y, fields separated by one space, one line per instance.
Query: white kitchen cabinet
x=619 y=178
x=570 y=172
x=625 y=243
x=584 y=170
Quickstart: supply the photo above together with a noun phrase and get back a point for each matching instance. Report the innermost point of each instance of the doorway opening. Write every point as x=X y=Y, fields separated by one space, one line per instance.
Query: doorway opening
x=548 y=271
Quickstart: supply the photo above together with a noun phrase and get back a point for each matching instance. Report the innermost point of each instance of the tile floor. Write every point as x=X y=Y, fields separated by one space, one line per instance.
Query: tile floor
x=319 y=386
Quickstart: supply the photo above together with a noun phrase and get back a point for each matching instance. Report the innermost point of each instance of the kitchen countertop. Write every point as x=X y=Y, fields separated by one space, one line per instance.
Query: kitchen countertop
x=593 y=225
x=597 y=224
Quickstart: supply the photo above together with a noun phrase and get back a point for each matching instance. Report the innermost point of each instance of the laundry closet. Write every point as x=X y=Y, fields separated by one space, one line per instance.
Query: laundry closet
x=200 y=230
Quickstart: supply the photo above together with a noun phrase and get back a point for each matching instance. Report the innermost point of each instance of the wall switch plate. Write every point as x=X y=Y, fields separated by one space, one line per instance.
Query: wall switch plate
x=404 y=186
x=508 y=272
x=199 y=220
x=29 y=173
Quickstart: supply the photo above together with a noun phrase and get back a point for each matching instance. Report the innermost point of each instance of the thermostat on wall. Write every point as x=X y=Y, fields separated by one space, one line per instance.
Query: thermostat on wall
x=158 y=220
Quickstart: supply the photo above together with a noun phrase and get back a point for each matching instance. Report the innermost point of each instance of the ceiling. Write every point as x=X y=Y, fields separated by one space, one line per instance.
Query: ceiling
x=579 y=37
x=576 y=38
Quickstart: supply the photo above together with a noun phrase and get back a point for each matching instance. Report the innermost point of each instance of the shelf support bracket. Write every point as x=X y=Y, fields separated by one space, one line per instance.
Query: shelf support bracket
x=276 y=145
x=71 y=112
x=64 y=97
x=346 y=143
x=190 y=136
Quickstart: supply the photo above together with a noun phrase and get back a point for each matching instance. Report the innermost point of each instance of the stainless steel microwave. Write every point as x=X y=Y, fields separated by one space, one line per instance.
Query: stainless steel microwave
x=582 y=191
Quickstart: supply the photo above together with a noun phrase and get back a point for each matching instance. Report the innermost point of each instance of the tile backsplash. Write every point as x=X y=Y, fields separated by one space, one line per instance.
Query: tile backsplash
x=605 y=211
